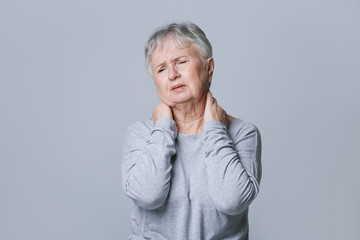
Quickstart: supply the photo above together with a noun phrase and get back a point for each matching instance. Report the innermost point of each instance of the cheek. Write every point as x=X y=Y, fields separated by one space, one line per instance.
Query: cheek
x=159 y=85
x=198 y=82
x=162 y=90
x=165 y=96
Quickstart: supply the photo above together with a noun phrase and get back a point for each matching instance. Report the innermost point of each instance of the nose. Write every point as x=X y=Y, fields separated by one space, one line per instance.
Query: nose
x=173 y=73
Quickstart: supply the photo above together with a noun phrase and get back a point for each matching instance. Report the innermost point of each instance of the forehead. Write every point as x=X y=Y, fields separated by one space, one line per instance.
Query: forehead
x=170 y=48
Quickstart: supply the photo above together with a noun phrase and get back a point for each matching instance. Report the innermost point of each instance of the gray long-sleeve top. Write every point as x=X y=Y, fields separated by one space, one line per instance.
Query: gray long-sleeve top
x=188 y=187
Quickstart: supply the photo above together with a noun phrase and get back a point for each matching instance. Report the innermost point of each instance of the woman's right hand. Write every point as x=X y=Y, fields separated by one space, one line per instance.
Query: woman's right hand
x=160 y=111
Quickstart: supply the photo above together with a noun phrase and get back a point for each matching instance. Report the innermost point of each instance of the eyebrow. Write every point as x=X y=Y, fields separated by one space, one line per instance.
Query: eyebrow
x=173 y=60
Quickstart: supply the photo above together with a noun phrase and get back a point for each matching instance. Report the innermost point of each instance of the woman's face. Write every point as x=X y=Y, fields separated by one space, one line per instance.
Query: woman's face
x=173 y=66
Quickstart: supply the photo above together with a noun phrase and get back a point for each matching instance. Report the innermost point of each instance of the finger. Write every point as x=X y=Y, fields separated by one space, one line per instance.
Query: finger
x=209 y=95
x=214 y=100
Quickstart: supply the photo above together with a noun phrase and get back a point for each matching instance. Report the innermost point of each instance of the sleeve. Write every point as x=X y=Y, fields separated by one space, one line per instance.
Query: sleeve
x=146 y=166
x=233 y=165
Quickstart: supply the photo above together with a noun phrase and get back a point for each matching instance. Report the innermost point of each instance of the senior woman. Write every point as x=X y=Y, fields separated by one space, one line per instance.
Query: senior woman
x=192 y=170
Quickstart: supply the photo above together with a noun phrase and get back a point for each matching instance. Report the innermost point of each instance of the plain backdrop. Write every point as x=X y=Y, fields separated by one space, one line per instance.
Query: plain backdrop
x=72 y=79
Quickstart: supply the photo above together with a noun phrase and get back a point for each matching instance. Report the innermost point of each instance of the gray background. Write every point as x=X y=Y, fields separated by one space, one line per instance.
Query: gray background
x=73 y=79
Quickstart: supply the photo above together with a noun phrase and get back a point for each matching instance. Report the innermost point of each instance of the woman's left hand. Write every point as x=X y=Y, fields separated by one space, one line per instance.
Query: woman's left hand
x=213 y=111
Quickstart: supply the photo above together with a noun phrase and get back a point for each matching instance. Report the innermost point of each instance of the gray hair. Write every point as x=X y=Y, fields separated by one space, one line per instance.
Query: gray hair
x=183 y=34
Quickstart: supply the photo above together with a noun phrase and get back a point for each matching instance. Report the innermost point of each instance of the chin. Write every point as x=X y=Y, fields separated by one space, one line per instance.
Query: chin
x=183 y=97
x=181 y=100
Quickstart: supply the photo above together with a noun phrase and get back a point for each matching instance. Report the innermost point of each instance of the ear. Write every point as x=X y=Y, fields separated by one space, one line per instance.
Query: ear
x=210 y=64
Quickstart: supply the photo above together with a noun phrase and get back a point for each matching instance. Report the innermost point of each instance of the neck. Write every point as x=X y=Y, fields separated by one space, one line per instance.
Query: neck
x=189 y=116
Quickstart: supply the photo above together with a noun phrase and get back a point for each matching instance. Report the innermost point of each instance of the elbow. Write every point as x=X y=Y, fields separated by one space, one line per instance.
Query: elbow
x=151 y=202
x=232 y=207
x=235 y=204
x=150 y=198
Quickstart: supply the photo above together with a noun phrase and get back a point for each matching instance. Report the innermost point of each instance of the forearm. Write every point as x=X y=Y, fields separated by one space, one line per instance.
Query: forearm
x=233 y=177
x=147 y=168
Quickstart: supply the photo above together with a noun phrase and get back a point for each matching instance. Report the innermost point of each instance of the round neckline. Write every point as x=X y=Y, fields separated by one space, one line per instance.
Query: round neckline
x=197 y=135
x=189 y=136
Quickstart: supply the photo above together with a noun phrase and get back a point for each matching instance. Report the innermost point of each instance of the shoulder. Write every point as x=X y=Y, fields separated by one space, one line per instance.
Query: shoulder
x=239 y=128
x=246 y=137
x=139 y=128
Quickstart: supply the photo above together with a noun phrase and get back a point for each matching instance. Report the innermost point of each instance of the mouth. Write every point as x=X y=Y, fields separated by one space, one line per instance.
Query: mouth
x=177 y=86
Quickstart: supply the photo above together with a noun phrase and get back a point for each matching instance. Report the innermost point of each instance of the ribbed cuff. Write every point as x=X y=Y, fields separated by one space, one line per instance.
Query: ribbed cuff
x=167 y=122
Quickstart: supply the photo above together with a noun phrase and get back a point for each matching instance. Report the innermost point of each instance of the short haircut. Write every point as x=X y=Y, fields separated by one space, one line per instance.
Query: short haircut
x=183 y=34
